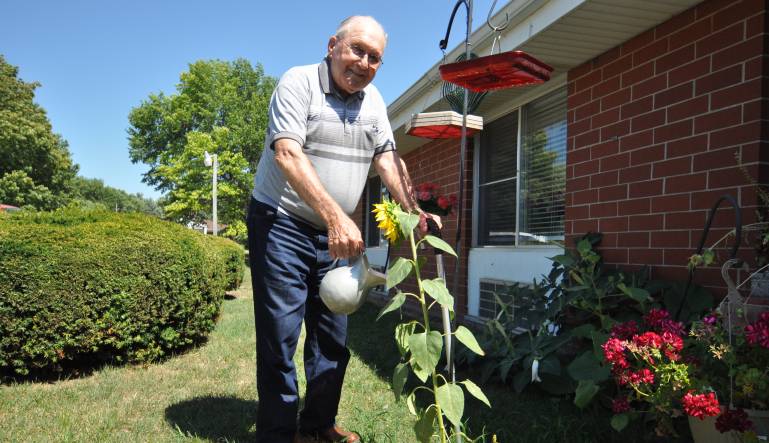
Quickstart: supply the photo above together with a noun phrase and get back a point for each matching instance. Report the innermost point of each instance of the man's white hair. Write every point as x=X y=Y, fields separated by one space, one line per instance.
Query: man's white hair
x=347 y=23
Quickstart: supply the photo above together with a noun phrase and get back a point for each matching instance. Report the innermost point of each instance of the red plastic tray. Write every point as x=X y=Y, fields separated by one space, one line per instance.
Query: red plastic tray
x=498 y=71
x=440 y=131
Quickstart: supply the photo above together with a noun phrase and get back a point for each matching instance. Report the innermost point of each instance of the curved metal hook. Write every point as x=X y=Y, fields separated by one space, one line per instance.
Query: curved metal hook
x=488 y=19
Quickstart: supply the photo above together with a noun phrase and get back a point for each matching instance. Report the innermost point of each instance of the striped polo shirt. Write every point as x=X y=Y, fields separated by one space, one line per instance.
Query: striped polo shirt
x=339 y=135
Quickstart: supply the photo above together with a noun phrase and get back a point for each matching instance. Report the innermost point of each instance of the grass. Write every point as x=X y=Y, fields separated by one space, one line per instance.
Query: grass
x=209 y=394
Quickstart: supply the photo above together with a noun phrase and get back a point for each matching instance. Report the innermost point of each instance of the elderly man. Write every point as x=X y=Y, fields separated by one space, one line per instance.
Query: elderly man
x=327 y=124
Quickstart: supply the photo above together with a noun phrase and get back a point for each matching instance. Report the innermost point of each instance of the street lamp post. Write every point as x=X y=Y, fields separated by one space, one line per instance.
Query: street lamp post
x=213 y=160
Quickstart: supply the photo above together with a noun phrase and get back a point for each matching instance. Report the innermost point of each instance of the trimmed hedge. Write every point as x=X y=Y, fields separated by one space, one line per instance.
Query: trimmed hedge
x=234 y=257
x=85 y=287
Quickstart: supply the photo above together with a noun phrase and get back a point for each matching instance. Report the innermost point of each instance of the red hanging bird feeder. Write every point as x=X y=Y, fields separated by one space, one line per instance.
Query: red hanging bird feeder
x=498 y=71
x=443 y=124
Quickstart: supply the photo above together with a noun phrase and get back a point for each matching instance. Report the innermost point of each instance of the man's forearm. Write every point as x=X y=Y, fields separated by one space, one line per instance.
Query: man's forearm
x=396 y=178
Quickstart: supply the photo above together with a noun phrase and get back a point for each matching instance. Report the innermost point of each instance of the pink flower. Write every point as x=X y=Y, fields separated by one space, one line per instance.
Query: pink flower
x=758 y=332
x=701 y=405
x=424 y=195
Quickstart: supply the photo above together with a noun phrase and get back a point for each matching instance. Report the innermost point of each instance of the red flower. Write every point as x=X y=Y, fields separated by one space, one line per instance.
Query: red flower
x=443 y=202
x=758 y=332
x=614 y=353
x=655 y=317
x=701 y=405
x=424 y=195
x=620 y=405
x=733 y=420
x=648 y=339
x=643 y=376
x=624 y=331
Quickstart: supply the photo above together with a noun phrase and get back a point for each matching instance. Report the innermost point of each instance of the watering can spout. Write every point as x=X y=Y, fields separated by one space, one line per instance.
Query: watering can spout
x=345 y=288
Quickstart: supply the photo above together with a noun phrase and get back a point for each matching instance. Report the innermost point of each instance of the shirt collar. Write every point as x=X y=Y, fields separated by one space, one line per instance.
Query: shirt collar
x=327 y=82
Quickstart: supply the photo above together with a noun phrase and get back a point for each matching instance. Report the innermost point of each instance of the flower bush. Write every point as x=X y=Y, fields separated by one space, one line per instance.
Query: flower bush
x=431 y=201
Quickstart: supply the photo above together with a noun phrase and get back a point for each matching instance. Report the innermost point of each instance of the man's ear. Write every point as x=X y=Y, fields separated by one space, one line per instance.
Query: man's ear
x=331 y=43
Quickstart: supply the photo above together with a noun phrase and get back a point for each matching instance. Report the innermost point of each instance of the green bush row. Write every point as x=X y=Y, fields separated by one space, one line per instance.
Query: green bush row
x=85 y=287
x=234 y=257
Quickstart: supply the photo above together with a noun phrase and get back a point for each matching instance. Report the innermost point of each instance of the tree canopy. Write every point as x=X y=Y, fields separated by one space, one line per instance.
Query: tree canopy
x=93 y=192
x=219 y=107
x=35 y=163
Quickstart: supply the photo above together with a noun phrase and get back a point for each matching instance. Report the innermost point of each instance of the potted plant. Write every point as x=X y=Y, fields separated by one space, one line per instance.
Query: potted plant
x=430 y=200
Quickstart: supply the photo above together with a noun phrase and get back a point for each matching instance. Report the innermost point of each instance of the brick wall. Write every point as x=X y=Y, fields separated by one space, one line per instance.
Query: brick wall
x=654 y=126
x=438 y=162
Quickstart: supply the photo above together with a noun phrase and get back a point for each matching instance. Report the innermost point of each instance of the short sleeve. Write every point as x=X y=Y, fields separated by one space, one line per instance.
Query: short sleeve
x=288 y=108
x=385 y=141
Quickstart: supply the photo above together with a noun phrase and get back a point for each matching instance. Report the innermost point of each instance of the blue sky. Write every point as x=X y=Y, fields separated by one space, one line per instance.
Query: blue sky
x=98 y=59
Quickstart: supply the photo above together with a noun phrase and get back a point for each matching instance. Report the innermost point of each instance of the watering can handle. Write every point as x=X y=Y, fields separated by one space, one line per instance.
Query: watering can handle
x=434 y=230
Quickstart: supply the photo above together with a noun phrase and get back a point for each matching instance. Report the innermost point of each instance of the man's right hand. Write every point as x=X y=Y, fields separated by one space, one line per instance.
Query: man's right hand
x=344 y=238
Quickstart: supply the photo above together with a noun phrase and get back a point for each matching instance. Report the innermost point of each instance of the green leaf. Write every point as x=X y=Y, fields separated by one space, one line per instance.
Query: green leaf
x=425 y=425
x=466 y=337
x=452 y=401
x=599 y=338
x=588 y=367
x=422 y=373
x=400 y=375
x=438 y=243
x=584 y=247
x=583 y=331
x=407 y=222
x=426 y=348
x=410 y=404
x=586 y=390
x=436 y=288
x=402 y=333
x=398 y=271
x=476 y=392
x=394 y=304
x=637 y=294
x=564 y=260
x=619 y=422
x=550 y=365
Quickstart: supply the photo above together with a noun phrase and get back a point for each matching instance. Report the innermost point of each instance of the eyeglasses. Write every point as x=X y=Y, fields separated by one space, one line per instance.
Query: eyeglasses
x=373 y=59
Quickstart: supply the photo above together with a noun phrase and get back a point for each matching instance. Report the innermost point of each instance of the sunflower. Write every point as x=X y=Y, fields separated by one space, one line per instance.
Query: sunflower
x=388 y=221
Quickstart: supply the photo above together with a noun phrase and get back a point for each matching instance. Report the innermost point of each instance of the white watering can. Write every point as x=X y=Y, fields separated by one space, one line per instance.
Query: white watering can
x=345 y=288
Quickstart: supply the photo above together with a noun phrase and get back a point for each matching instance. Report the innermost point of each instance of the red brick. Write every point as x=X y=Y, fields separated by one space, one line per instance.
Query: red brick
x=638 y=42
x=706 y=199
x=636 y=107
x=600 y=210
x=645 y=256
x=741 y=93
x=647 y=155
x=739 y=53
x=718 y=80
x=634 y=141
x=673 y=131
x=604 y=149
x=670 y=273
x=715 y=159
x=645 y=189
x=617 y=67
x=674 y=59
x=579 y=71
x=689 y=34
x=605 y=118
x=576 y=156
x=684 y=220
x=681 y=20
x=650 y=52
x=584 y=226
x=650 y=86
x=615 y=131
x=588 y=138
x=689 y=71
x=678 y=257
x=722 y=38
x=670 y=203
x=618 y=192
x=613 y=224
x=588 y=81
x=633 y=239
x=606 y=58
x=648 y=121
x=746 y=8
x=578 y=184
x=616 y=99
x=577 y=212
x=585 y=197
x=604 y=179
x=606 y=87
x=736 y=135
x=705 y=9
x=611 y=255
x=652 y=222
x=587 y=110
x=725 y=177
x=638 y=74
x=676 y=166
x=685 y=183
x=755 y=25
x=673 y=95
x=635 y=173
x=689 y=108
x=751 y=111
x=615 y=162
x=670 y=239
x=687 y=146
x=636 y=206
x=578 y=99
x=579 y=127
x=717 y=120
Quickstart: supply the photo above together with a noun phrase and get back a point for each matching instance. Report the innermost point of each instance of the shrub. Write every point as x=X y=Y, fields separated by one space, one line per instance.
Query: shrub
x=86 y=287
x=234 y=257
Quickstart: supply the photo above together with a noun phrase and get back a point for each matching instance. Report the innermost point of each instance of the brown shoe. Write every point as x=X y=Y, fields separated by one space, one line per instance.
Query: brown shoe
x=335 y=434
x=301 y=438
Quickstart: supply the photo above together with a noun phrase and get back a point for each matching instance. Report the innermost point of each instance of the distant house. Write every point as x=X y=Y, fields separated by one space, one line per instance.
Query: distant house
x=649 y=107
x=8 y=208
x=206 y=227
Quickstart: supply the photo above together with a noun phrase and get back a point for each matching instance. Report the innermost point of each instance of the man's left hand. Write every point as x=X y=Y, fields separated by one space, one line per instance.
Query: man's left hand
x=423 y=216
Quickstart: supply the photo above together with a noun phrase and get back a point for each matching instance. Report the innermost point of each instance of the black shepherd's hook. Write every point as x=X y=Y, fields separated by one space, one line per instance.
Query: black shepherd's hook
x=443 y=43
x=732 y=254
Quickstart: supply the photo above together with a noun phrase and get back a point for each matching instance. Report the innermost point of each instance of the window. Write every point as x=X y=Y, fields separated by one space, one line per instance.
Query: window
x=374 y=193
x=522 y=174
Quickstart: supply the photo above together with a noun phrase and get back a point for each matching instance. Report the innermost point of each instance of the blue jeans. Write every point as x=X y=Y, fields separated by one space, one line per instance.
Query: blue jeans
x=288 y=261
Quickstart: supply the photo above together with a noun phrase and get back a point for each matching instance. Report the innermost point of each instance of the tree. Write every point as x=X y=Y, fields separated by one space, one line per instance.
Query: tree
x=219 y=107
x=28 y=144
x=18 y=189
x=93 y=192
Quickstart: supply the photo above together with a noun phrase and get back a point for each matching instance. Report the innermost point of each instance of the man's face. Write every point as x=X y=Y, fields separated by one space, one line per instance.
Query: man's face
x=351 y=72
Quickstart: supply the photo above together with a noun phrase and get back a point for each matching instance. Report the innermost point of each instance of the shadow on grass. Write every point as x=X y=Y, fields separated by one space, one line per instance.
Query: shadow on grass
x=214 y=418
x=374 y=341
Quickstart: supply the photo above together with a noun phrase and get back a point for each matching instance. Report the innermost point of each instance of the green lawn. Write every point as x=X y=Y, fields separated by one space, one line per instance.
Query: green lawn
x=208 y=394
